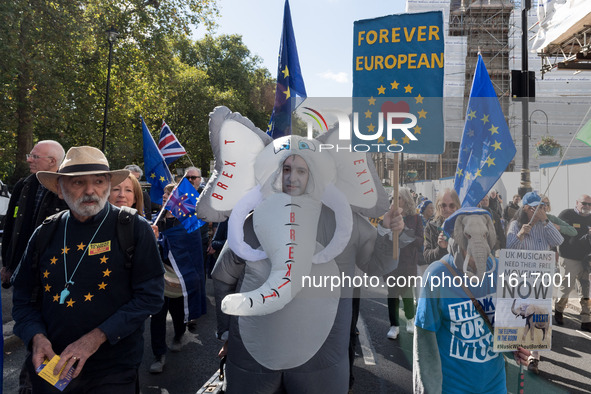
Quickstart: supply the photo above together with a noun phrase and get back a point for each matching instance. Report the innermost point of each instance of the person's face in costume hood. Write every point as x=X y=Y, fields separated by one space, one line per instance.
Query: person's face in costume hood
x=295 y=175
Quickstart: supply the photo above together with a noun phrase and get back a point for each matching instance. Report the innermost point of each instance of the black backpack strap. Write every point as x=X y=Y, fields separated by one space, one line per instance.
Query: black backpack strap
x=125 y=231
x=45 y=234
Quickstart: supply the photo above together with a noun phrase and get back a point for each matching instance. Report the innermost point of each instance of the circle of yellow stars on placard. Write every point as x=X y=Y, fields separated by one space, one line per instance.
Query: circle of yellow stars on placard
x=88 y=297
x=382 y=91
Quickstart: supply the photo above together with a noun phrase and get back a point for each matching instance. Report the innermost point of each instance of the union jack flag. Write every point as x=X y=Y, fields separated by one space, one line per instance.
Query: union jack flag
x=169 y=146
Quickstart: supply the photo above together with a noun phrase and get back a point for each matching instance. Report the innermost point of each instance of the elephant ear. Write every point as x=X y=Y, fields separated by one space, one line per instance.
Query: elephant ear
x=492 y=234
x=357 y=178
x=458 y=233
x=235 y=142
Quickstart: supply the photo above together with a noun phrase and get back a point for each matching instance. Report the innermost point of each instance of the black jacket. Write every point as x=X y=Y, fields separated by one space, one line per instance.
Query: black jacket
x=579 y=246
x=22 y=218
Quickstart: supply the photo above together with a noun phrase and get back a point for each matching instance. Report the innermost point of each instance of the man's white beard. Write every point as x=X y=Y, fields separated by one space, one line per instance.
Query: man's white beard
x=86 y=211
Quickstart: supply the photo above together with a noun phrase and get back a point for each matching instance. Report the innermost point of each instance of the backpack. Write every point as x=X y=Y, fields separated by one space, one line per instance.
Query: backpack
x=125 y=228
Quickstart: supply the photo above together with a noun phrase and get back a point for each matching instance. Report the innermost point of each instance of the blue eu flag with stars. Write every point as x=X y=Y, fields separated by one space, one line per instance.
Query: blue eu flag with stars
x=290 y=84
x=155 y=168
x=181 y=204
x=487 y=147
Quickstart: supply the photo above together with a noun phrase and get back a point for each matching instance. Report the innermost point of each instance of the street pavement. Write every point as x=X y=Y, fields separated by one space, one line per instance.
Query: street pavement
x=381 y=365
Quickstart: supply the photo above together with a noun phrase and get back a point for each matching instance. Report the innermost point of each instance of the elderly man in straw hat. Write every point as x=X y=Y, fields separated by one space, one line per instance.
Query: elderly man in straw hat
x=92 y=298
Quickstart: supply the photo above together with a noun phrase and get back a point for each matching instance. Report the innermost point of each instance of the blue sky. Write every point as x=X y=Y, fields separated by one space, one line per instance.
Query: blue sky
x=323 y=30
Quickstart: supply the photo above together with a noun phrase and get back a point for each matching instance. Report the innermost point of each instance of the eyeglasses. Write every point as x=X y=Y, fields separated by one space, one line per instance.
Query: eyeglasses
x=587 y=204
x=193 y=177
x=444 y=205
x=36 y=157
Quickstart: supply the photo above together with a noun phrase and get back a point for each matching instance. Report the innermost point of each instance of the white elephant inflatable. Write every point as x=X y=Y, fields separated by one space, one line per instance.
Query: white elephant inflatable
x=288 y=332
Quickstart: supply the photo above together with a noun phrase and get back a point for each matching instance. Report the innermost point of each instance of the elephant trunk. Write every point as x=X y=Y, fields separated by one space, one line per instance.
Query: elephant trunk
x=286 y=227
x=480 y=253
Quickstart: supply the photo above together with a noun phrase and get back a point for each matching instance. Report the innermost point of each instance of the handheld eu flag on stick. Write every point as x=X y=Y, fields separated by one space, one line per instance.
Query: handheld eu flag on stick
x=487 y=147
x=290 y=84
x=155 y=168
x=181 y=204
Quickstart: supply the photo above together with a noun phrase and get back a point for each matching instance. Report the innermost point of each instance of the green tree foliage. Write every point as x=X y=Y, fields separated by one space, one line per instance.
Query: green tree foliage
x=54 y=71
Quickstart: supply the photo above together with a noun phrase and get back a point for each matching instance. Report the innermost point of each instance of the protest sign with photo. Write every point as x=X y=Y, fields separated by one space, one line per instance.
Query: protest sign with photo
x=523 y=316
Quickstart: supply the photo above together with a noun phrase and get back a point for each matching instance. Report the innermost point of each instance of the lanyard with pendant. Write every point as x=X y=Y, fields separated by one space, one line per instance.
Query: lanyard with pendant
x=65 y=292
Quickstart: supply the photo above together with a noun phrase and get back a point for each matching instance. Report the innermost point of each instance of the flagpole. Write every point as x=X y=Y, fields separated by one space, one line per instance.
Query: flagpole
x=190 y=161
x=164 y=204
x=560 y=162
x=395 y=203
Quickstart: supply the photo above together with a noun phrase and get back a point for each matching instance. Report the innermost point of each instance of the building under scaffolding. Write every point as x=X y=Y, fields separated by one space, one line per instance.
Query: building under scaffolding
x=471 y=26
x=493 y=27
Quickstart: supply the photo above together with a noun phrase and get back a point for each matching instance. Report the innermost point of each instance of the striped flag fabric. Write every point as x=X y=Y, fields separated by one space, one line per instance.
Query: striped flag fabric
x=169 y=145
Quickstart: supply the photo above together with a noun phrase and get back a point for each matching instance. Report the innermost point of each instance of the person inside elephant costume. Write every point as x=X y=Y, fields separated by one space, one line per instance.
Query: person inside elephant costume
x=452 y=343
x=296 y=213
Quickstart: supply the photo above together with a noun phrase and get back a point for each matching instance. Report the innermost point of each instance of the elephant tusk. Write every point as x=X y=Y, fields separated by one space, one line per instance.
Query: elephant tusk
x=466 y=262
x=494 y=264
x=236 y=226
x=336 y=200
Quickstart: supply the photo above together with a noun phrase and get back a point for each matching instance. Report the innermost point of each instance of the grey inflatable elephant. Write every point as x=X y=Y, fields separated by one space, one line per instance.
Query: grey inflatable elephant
x=452 y=344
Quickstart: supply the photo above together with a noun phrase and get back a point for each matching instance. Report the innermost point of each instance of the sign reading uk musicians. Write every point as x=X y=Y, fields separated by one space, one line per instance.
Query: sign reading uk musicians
x=523 y=316
x=398 y=83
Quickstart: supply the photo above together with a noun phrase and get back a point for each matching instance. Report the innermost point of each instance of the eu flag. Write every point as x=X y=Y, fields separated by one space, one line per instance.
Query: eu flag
x=487 y=147
x=156 y=170
x=188 y=265
x=290 y=84
x=181 y=204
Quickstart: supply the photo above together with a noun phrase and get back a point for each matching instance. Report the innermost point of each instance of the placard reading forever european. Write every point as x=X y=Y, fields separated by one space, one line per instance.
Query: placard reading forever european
x=523 y=314
x=398 y=83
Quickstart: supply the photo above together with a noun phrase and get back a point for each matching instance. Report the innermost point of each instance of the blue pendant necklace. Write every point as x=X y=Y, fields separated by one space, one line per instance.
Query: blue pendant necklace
x=65 y=292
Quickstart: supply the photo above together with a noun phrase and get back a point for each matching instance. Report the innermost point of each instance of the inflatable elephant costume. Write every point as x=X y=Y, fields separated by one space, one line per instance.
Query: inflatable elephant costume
x=286 y=335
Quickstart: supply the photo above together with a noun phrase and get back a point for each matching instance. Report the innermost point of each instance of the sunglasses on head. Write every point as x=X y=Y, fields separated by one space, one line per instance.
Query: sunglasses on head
x=192 y=177
x=444 y=205
x=587 y=204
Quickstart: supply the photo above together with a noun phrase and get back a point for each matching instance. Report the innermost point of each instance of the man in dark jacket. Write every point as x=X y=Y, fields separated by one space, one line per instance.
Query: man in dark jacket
x=573 y=261
x=29 y=205
x=511 y=209
x=93 y=316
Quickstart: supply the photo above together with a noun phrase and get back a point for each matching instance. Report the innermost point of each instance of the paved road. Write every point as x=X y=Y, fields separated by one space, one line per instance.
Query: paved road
x=381 y=365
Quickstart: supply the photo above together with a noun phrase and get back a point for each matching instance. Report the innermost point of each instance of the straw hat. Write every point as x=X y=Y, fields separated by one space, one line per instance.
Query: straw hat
x=172 y=283
x=81 y=160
